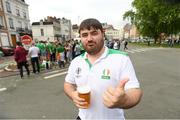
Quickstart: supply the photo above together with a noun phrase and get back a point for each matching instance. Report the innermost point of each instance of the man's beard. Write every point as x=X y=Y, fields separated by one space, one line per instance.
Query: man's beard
x=94 y=49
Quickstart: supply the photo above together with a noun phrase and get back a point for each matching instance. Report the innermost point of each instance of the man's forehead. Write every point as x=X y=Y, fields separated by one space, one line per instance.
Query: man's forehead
x=91 y=29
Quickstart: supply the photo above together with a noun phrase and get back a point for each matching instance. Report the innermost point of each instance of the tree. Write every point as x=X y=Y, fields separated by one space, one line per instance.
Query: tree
x=153 y=17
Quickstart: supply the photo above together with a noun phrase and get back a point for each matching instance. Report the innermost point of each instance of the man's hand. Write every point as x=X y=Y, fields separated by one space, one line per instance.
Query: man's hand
x=79 y=102
x=115 y=97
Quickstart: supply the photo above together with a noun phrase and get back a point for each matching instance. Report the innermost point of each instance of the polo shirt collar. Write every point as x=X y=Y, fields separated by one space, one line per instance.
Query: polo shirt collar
x=85 y=57
x=105 y=54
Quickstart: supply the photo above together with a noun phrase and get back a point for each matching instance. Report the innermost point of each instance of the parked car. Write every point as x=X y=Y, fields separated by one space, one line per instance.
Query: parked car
x=1 y=54
x=7 y=50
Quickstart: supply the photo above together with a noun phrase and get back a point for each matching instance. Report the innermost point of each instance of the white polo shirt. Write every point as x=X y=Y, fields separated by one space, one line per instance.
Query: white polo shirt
x=34 y=51
x=107 y=71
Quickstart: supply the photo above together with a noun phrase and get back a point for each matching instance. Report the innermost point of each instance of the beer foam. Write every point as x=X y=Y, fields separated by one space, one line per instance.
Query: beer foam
x=83 y=89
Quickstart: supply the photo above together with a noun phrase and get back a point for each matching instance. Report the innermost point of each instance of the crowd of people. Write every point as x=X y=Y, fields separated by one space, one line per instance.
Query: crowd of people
x=58 y=52
x=43 y=55
x=117 y=44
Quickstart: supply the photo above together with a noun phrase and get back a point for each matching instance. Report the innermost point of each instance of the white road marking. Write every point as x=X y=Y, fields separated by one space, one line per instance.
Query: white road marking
x=55 y=75
x=129 y=51
x=141 y=50
x=55 y=71
x=3 y=89
x=136 y=50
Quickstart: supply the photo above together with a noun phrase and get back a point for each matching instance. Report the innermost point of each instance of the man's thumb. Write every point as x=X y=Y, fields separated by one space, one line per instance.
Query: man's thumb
x=122 y=83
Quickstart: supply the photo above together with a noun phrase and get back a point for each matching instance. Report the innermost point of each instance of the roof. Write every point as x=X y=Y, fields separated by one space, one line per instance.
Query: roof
x=44 y=23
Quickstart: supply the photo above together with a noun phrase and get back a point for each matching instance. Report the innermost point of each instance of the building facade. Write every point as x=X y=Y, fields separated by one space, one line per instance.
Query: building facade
x=66 y=29
x=75 y=33
x=4 y=34
x=111 y=33
x=46 y=31
x=131 y=32
x=52 y=29
x=17 y=19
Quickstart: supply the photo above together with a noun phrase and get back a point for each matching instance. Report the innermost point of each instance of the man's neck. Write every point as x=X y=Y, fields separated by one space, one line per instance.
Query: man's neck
x=93 y=58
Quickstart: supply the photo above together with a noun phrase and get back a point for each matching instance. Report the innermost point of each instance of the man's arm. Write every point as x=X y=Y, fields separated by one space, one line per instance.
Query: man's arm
x=69 y=89
x=132 y=98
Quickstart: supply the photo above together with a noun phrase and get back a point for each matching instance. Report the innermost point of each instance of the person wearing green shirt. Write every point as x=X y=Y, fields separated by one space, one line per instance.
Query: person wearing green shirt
x=60 y=55
x=49 y=52
x=43 y=50
x=53 y=54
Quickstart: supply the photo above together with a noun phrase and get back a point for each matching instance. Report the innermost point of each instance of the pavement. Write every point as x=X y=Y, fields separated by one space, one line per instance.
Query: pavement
x=8 y=67
x=4 y=63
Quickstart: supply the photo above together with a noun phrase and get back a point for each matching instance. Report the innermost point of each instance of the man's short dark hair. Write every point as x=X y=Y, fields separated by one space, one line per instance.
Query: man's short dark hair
x=90 y=23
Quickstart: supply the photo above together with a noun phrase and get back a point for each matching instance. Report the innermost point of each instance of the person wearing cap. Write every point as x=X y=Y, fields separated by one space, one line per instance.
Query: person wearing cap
x=109 y=74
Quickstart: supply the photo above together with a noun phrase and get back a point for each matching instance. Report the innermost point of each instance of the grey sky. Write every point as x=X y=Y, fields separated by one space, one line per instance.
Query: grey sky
x=109 y=11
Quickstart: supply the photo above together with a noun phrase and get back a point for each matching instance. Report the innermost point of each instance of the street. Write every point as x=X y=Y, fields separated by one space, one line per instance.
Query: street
x=41 y=96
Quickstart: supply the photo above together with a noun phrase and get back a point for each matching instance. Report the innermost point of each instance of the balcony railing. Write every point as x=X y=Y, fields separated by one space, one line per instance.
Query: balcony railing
x=23 y=30
x=1 y=27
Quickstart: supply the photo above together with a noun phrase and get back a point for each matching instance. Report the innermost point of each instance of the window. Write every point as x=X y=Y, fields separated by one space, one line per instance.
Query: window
x=8 y=7
x=11 y=24
x=17 y=12
x=19 y=24
x=0 y=6
x=24 y=15
x=1 y=21
x=42 y=32
x=26 y=26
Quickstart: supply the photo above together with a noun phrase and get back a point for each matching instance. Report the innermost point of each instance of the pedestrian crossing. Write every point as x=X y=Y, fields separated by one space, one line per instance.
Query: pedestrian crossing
x=55 y=73
x=140 y=50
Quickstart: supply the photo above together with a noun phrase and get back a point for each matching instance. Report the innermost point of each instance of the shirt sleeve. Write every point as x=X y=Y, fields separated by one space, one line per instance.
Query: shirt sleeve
x=70 y=75
x=127 y=71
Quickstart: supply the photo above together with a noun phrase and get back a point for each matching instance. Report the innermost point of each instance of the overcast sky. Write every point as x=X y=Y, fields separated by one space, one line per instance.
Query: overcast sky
x=110 y=11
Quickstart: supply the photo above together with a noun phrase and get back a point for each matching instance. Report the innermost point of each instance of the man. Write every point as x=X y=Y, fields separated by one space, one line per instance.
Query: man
x=34 y=55
x=60 y=53
x=125 y=44
x=109 y=73
x=20 y=58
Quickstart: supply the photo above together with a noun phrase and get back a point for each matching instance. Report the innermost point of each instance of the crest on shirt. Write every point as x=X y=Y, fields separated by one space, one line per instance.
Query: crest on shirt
x=106 y=74
x=78 y=71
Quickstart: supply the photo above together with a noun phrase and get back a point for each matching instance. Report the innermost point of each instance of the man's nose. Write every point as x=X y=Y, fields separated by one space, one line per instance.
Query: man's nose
x=89 y=38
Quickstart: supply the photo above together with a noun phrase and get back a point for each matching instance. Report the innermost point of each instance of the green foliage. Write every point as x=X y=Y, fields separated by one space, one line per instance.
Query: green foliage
x=153 y=17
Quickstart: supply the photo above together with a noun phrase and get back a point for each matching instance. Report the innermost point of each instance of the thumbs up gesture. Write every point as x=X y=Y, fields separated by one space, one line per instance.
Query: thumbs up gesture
x=115 y=97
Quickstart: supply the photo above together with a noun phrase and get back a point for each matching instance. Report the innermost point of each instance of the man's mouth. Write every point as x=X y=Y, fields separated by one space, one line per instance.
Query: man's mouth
x=90 y=44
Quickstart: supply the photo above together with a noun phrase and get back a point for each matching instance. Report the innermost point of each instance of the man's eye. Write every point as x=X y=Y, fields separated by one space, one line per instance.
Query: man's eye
x=84 y=35
x=94 y=33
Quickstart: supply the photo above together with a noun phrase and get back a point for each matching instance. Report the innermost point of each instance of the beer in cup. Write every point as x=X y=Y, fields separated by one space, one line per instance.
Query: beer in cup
x=84 y=92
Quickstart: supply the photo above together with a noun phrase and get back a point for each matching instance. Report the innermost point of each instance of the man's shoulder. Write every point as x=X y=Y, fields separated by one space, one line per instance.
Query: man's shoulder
x=117 y=52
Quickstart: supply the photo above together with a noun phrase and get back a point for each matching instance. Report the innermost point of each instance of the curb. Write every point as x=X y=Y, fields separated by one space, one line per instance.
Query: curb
x=10 y=70
x=1 y=70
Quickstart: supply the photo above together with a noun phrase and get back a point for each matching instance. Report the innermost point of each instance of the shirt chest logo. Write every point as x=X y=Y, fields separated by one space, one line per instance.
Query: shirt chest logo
x=106 y=74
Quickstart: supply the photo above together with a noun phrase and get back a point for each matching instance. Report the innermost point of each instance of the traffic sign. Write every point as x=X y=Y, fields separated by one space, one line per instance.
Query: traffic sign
x=26 y=39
